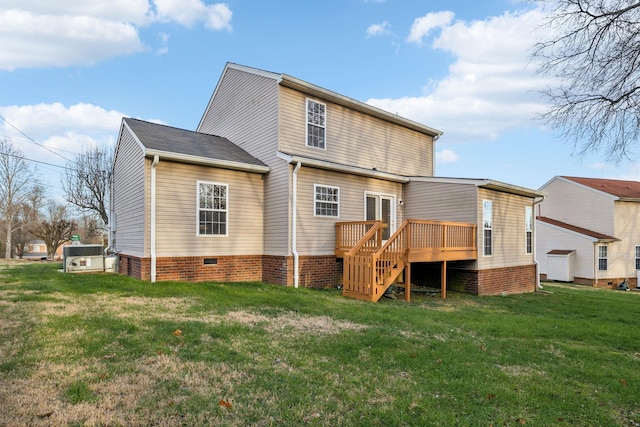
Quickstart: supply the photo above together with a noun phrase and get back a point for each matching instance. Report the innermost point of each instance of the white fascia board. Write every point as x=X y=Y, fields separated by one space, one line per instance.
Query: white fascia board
x=352 y=170
x=485 y=183
x=195 y=160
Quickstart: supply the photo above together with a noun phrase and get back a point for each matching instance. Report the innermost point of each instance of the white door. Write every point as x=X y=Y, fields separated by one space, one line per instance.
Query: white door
x=382 y=208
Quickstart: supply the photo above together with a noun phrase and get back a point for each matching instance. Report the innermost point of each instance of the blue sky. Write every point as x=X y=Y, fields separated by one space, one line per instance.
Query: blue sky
x=71 y=69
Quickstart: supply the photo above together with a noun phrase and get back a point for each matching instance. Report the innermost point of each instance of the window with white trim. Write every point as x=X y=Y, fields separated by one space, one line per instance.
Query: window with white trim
x=528 y=227
x=316 y=124
x=637 y=257
x=213 y=211
x=487 y=227
x=327 y=200
x=602 y=258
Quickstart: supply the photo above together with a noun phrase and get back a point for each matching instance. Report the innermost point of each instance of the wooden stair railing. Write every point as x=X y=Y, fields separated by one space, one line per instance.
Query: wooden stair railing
x=358 y=272
x=370 y=268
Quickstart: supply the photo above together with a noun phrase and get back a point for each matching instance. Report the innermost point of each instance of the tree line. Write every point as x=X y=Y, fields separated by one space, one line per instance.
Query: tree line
x=27 y=213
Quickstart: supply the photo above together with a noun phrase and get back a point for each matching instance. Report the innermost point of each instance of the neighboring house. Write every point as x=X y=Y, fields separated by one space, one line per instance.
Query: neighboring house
x=588 y=231
x=286 y=182
x=37 y=250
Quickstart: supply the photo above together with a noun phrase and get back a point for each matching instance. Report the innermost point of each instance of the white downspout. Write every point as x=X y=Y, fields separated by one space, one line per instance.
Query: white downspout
x=535 y=244
x=152 y=238
x=294 y=225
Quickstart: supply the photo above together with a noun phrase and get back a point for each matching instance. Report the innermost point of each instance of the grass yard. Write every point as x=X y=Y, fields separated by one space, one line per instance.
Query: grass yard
x=100 y=349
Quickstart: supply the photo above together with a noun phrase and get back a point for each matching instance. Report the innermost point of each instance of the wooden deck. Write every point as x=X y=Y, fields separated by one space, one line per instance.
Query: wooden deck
x=371 y=265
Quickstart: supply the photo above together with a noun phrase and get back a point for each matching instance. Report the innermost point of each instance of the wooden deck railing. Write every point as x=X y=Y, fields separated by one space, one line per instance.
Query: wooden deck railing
x=348 y=234
x=370 y=267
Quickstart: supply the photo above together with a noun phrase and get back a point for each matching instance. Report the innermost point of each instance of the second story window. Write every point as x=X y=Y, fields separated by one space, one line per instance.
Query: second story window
x=602 y=258
x=528 y=226
x=316 y=119
x=487 y=227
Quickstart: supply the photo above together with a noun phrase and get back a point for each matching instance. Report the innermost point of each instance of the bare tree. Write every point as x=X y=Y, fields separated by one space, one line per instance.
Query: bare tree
x=27 y=219
x=16 y=183
x=594 y=52
x=86 y=181
x=56 y=230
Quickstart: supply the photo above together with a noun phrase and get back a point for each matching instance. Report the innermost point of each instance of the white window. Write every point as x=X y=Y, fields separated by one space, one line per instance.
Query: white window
x=637 y=257
x=316 y=122
x=213 y=212
x=327 y=200
x=487 y=227
x=602 y=258
x=528 y=226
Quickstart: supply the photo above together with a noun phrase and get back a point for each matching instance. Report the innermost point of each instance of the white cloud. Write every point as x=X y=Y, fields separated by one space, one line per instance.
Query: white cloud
x=187 y=12
x=378 y=29
x=54 y=134
x=62 y=130
x=422 y=26
x=491 y=86
x=446 y=156
x=34 y=33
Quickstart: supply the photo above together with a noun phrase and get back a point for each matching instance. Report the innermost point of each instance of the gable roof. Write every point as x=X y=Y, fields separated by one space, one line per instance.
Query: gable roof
x=590 y=233
x=320 y=92
x=191 y=147
x=629 y=190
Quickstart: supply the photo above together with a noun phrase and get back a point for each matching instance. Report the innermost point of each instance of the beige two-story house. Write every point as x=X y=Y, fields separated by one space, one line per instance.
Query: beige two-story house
x=287 y=182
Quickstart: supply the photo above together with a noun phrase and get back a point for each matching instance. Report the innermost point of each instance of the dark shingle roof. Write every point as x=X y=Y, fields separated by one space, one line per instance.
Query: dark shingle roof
x=168 y=139
x=615 y=187
x=576 y=229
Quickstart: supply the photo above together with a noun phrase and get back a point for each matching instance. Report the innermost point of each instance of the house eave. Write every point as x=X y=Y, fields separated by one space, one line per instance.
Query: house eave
x=313 y=90
x=196 y=160
x=337 y=167
x=485 y=183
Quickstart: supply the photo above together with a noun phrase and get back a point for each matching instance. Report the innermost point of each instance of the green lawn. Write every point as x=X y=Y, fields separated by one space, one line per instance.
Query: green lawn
x=102 y=349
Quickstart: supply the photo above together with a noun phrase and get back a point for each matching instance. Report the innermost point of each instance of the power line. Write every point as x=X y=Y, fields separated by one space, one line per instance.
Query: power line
x=35 y=161
x=31 y=139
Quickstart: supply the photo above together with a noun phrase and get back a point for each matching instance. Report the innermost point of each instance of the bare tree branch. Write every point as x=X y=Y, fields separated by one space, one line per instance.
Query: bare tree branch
x=16 y=183
x=86 y=181
x=56 y=230
x=594 y=51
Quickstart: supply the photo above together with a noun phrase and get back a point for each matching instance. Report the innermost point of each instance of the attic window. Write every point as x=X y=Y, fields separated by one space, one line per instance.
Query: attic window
x=316 y=120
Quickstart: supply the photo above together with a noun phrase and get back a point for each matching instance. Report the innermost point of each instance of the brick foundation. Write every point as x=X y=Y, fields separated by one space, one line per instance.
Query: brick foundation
x=509 y=280
x=497 y=281
x=315 y=271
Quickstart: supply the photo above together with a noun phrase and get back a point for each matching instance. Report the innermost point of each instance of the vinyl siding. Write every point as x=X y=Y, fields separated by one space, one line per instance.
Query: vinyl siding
x=550 y=238
x=627 y=229
x=441 y=201
x=245 y=111
x=129 y=194
x=508 y=231
x=354 y=138
x=176 y=212
x=578 y=205
x=316 y=235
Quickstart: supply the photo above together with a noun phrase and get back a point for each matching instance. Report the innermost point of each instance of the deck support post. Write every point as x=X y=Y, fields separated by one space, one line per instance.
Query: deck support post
x=407 y=282
x=443 y=280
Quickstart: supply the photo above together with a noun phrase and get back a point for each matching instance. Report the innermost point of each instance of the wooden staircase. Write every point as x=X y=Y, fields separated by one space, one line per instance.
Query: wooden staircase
x=370 y=266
